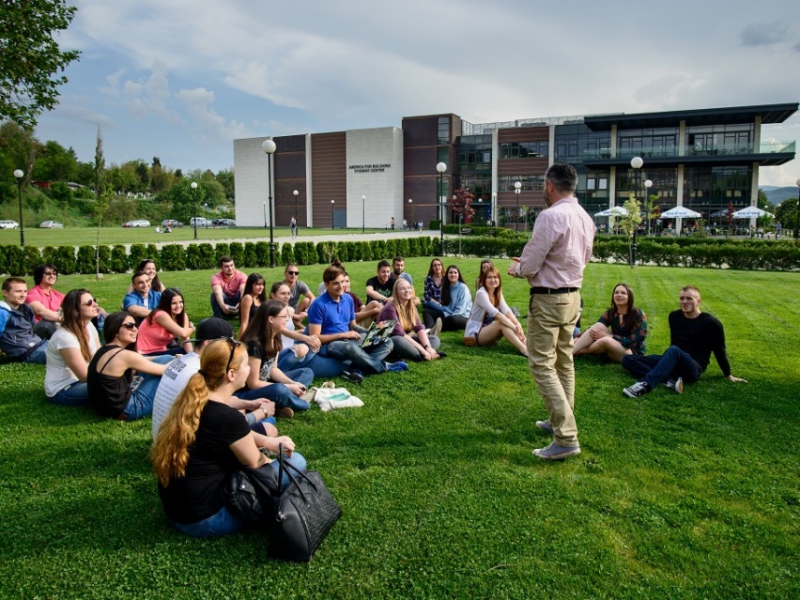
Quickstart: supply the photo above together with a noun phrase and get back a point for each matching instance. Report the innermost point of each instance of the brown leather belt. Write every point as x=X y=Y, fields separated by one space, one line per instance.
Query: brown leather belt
x=544 y=290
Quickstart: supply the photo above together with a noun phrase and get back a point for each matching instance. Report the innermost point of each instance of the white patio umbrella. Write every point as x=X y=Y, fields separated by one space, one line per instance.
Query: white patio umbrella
x=680 y=212
x=751 y=212
x=614 y=211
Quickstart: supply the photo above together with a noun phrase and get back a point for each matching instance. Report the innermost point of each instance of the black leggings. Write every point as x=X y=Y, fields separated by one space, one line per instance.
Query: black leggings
x=453 y=323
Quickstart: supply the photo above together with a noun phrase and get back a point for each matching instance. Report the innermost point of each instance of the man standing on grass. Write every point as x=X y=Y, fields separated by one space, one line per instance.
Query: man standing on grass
x=227 y=288
x=694 y=335
x=553 y=261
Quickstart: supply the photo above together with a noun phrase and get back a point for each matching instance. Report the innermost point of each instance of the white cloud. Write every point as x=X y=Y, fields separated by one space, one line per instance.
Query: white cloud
x=213 y=127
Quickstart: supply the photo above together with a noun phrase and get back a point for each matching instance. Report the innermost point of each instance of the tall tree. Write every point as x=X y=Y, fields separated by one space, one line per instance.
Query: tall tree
x=629 y=223
x=103 y=192
x=31 y=59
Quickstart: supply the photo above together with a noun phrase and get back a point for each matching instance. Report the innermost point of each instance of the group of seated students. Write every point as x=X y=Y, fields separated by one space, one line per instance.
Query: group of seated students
x=214 y=398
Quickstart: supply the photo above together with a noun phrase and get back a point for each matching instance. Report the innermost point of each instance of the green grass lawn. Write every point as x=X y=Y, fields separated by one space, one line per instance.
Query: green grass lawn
x=693 y=495
x=77 y=236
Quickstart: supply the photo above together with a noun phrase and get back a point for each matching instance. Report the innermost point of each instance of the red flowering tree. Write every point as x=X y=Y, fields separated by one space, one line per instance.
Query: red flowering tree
x=461 y=204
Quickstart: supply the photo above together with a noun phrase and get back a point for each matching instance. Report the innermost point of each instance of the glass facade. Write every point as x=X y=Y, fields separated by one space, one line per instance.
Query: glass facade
x=574 y=141
x=443 y=133
x=530 y=183
x=539 y=149
x=711 y=189
x=720 y=139
x=475 y=164
x=662 y=141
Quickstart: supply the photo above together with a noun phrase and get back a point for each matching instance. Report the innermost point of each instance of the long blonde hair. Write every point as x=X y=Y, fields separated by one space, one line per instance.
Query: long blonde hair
x=170 y=452
x=408 y=314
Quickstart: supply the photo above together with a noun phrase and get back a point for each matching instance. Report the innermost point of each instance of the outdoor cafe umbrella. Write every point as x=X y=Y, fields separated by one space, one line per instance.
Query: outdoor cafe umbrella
x=680 y=212
x=751 y=212
x=614 y=211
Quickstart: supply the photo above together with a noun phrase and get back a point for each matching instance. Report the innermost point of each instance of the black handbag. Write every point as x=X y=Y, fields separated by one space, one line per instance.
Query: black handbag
x=250 y=493
x=302 y=516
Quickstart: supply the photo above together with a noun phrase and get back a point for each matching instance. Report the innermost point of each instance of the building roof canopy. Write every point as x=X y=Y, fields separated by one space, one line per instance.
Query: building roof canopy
x=769 y=113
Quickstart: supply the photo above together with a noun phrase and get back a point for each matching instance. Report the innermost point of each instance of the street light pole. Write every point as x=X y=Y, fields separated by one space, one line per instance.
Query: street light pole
x=296 y=217
x=647 y=185
x=441 y=168
x=332 y=203
x=411 y=214
x=19 y=174
x=265 y=214
x=193 y=185
x=797 y=225
x=269 y=147
x=517 y=191
x=636 y=163
x=363 y=212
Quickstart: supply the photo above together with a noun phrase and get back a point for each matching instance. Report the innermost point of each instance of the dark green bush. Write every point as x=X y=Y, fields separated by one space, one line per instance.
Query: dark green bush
x=287 y=254
x=262 y=254
x=65 y=260
x=33 y=258
x=85 y=263
x=250 y=258
x=221 y=249
x=173 y=257
x=237 y=254
x=119 y=259
x=137 y=254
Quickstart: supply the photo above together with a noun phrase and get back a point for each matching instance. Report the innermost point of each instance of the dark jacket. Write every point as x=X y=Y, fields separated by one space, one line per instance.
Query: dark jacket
x=16 y=330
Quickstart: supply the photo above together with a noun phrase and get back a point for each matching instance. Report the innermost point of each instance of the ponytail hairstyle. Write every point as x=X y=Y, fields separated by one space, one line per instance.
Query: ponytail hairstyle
x=170 y=452
x=71 y=320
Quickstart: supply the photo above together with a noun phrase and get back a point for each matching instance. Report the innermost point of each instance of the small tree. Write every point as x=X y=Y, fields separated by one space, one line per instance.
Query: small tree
x=461 y=205
x=629 y=223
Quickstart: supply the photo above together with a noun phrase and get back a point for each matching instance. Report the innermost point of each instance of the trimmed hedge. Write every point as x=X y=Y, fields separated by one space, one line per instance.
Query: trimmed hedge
x=745 y=254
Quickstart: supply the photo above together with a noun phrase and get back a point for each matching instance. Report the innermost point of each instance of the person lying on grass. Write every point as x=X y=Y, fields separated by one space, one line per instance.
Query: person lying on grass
x=621 y=330
x=203 y=439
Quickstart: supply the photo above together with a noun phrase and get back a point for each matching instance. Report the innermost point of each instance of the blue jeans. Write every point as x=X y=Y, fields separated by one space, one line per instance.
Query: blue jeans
x=229 y=300
x=141 y=400
x=369 y=361
x=38 y=356
x=223 y=522
x=279 y=393
x=75 y=394
x=656 y=369
x=322 y=366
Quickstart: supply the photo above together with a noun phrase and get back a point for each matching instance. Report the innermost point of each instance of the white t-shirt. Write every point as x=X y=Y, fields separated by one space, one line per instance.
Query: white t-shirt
x=174 y=379
x=58 y=374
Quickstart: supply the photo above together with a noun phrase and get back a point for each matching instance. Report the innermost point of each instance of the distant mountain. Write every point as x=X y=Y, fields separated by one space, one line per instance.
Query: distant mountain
x=776 y=195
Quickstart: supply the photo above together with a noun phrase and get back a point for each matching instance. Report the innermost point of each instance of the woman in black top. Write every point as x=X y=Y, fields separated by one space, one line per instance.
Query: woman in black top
x=621 y=330
x=203 y=439
x=255 y=293
x=113 y=390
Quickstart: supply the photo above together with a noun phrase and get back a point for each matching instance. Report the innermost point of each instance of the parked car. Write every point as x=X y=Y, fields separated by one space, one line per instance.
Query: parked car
x=51 y=225
x=8 y=224
x=172 y=223
x=224 y=223
x=137 y=223
x=200 y=221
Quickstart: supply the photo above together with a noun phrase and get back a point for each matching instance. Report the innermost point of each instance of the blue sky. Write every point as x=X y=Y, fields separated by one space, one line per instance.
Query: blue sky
x=182 y=79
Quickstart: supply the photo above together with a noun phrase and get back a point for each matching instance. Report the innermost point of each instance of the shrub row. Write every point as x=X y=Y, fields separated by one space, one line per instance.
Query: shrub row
x=18 y=261
x=783 y=255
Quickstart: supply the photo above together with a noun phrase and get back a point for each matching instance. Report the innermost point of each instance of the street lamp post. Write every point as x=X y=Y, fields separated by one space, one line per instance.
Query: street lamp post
x=797 y=225
x=517 y=191
x=647 y=185
x=264 y=204
x=411 y=213
x=493 y=207
x=269 y=147
x=441 y=168
x=296 y=217
x=363 y=212
x=19 y=174
x=193 y=185
x=636 y=163
x=332 y=203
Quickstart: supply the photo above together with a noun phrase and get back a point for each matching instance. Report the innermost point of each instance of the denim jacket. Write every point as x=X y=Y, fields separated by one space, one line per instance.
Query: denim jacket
x=16 y=330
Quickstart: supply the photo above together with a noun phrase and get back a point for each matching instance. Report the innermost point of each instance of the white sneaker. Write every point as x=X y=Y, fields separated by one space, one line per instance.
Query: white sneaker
x=437 y=327
x=676 y=385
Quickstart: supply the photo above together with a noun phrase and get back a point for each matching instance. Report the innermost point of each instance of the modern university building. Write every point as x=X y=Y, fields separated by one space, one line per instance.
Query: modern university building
x=705 y=160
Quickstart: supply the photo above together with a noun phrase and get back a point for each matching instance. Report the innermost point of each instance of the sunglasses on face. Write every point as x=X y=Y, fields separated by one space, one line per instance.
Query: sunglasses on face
x=51 y=273
x=130 y=326
x=90 y=302
x=293 y=272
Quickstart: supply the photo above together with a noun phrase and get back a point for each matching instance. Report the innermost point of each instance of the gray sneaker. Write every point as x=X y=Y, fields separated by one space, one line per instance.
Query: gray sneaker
x=545 y=426
x=556 y=452
x=637 y=390
x=676 y=385
x=437 y=327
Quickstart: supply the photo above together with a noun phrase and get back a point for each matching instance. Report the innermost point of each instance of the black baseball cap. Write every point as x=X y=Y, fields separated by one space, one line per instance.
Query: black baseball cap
x=212 y=328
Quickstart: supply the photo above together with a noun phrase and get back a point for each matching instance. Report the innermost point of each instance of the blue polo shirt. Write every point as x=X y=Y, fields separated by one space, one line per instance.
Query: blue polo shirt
x=334 y=317
x=134 y=298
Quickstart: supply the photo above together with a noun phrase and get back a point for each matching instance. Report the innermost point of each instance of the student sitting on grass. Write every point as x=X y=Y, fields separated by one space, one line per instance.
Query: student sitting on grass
x=491 y=319
x=411 y=340
x=255 y=293
x=142 y=299
x=621 y=330
x=45 y=300
x=114 y=392
x=148 y=266
x=16 y=325
x=70 y=350
x=266 y=380
x=203 y=439
x=164 y=324
x=456 y=302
